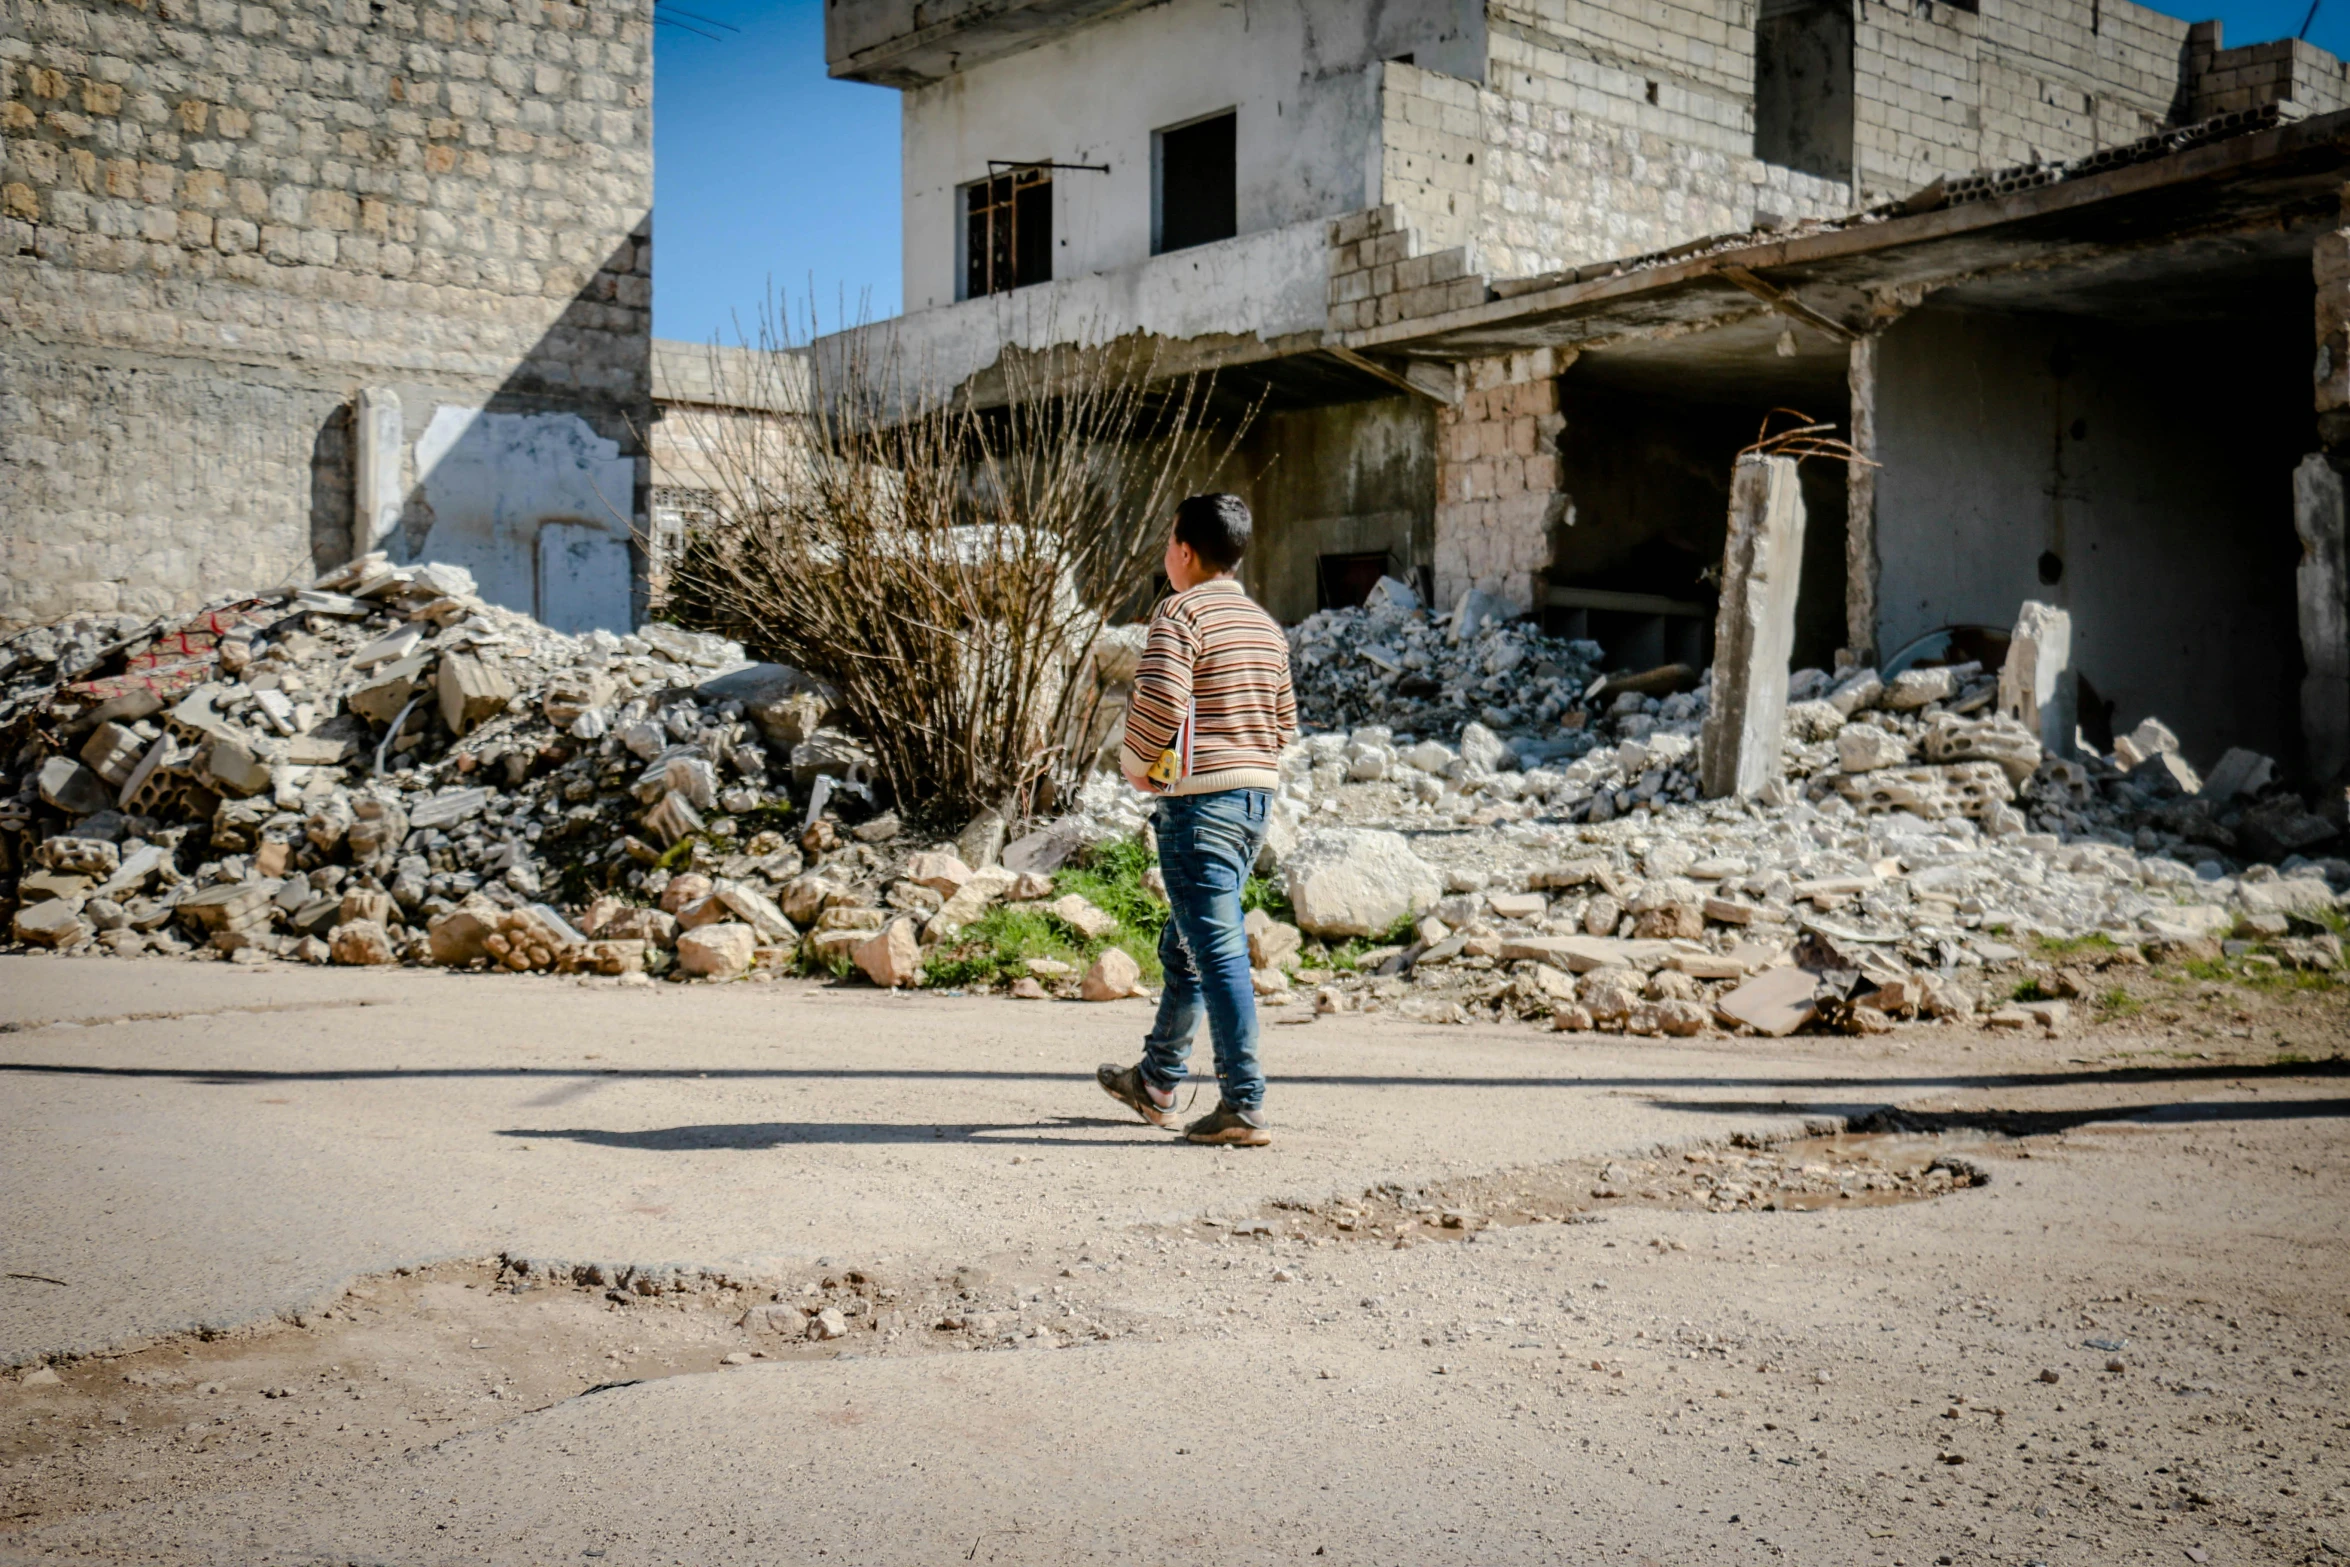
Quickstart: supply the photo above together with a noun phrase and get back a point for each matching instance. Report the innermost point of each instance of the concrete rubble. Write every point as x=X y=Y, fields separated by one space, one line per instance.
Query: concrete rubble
x=383 y=769
x=1557 y=859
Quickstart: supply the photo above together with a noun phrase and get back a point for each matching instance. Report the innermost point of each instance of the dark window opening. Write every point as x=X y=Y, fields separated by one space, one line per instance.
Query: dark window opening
x=1198 y=184
x=1803 y=86
x=1007 y=232
x=1345 y=581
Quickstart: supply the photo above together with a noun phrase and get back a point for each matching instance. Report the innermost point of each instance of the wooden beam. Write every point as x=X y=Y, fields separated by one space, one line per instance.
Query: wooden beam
x=1788 y=305
x=1419 y=380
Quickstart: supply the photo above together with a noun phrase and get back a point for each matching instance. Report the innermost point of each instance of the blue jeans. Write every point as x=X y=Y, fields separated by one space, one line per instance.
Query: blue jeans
x=1207 y=843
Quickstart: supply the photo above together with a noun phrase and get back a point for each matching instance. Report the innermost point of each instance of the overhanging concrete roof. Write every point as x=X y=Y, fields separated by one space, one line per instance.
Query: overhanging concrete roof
x=2285 y=182
x=910 y=43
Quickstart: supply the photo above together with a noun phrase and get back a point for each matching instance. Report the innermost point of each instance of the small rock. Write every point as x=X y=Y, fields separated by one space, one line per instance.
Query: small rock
x=718 y=951
x=892 y=958
x=361 y=944
x=827 y=1324
x=1082 y=917
x=1114 y=976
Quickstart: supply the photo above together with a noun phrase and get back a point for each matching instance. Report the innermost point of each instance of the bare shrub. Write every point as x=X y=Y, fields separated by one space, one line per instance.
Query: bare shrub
x=947 y=565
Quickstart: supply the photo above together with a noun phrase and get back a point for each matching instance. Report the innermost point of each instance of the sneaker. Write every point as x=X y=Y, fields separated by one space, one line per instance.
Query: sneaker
x=1124 y=1084
x=1230 y=1128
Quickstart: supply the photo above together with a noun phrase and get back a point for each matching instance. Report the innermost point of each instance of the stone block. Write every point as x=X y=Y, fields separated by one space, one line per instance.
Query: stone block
x=2239 y=771
x=717 y=951
x=71 y=786
x=389 y=689
x=1272 y=943
x=362 y=943
x=230 y=766
x=1354 y=882
x=52 y=922
x=111 y=751
x=1775 y=1002
x=471 y=692
x=1864 y=748
x=891 y=957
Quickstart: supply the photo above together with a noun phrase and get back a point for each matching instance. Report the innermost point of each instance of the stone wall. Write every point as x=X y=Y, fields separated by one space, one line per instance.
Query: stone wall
x=1497 y=478
x=219 y=222
x=1562 y=158
x=1940 y=90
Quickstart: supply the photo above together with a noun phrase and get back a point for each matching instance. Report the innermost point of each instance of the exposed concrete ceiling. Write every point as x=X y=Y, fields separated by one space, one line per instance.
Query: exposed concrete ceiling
x=903 y=43
x=2174 y=238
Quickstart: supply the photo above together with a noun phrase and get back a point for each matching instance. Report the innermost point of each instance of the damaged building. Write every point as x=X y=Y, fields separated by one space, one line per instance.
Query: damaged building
x=282 y=284
x=1512 y=282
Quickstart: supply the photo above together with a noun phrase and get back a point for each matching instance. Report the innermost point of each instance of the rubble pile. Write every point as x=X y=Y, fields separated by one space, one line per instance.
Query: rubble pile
x=1391 y=663
x=1552 y=857
x=384 y=768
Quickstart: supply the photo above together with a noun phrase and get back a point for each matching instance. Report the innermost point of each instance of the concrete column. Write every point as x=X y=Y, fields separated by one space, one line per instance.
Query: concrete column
x=1860 y=525
x=1754 y=633
x=2037 y=686
x=2322 y=587
x=378 y=432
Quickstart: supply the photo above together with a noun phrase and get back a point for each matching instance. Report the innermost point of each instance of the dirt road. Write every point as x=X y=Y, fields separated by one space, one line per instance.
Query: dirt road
x=422 y=1268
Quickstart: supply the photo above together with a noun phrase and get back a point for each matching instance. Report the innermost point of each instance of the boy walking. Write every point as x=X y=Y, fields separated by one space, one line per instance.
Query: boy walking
x=1211 y=711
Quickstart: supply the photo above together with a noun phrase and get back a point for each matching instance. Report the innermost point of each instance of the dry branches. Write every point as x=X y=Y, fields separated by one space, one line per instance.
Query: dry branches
x=946 y=565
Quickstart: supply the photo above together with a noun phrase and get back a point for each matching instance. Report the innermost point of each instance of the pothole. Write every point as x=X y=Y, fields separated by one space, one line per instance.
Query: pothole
x=1829 y=1169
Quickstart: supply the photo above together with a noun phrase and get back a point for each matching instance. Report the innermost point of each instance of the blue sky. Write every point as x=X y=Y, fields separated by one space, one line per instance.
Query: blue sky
x=770 y=176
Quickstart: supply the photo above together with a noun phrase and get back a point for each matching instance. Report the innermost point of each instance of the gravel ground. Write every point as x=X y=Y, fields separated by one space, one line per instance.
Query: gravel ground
x=1495 y=1296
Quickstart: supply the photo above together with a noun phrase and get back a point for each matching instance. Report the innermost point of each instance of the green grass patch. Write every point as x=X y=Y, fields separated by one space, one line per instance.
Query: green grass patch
x=995 y=948
x=1347 y=956
x=1111 y=879
x=2118 y=1003
x=2094 y=943
x=2032 y=990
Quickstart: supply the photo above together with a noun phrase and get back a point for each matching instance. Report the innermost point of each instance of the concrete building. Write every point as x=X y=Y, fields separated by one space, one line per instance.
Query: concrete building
x=285 y=281
x=1516 y=279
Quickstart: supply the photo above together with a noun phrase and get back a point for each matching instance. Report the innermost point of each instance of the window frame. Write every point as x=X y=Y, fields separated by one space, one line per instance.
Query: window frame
x=1159 y=177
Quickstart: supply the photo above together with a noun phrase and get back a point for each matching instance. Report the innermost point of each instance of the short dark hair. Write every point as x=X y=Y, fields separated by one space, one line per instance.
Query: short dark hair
x=1216 y=527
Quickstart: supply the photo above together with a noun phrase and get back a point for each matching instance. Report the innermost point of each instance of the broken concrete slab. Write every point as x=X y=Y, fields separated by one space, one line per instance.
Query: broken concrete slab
x=73 y=787
x=2037 y=685
x=1358 y=882
x=471 y=692
x=1754 y=632
x=2321 y=590
x=1775 y=1002
x=2239 y=771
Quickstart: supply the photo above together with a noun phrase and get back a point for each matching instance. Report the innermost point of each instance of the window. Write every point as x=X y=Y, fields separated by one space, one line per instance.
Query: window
x=1803 y=86
x=1007 y=231
x=1196 y=184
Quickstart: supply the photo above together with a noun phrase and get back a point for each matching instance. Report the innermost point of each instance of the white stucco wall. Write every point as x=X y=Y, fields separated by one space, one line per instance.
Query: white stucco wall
x=1299 y=74
x=1281 y=276
x=536 y=506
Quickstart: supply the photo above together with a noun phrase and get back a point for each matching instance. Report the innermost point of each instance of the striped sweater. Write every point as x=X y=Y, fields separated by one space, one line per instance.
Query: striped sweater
x=1215 y=657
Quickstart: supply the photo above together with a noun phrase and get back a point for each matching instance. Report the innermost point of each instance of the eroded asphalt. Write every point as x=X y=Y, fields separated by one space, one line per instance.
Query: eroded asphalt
x=1724 y=1358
